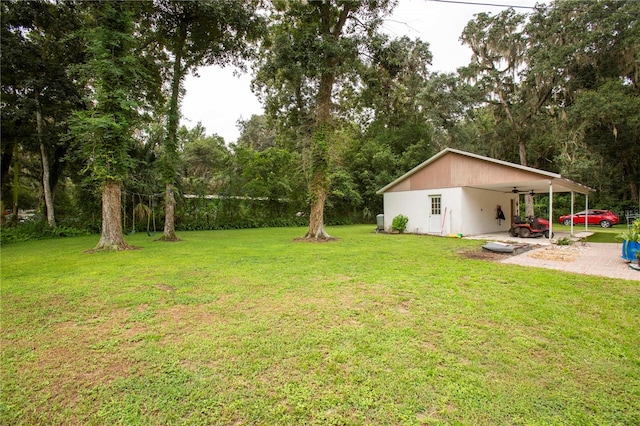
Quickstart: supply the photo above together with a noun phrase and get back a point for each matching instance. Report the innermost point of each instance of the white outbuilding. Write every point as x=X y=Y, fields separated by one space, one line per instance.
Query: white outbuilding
x=457 y=192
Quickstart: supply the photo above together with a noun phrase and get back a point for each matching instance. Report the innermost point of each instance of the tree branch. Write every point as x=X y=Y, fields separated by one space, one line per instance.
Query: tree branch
x=342 y=19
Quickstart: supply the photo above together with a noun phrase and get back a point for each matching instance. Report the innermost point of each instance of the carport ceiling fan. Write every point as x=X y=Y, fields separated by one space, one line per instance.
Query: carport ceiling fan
x=516 y=191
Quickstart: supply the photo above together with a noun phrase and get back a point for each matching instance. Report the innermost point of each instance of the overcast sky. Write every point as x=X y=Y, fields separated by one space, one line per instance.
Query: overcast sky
x=219 y=99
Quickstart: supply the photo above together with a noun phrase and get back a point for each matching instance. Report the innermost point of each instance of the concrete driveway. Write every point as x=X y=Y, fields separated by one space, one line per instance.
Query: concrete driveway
x=599 y=259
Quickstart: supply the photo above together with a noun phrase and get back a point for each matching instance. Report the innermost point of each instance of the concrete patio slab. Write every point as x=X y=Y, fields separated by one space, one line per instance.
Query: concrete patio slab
x=599 y=259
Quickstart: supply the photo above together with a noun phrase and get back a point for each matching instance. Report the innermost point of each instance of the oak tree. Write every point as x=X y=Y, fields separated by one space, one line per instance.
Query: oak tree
x=119 y=85
x=198 y=33
x=310 y=59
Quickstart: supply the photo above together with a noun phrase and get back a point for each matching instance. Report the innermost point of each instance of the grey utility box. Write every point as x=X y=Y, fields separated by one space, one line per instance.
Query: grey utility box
x=380 y=222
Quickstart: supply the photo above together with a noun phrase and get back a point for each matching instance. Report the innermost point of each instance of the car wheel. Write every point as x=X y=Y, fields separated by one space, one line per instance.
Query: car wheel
x=605 y=223
x=567 y=222
x=524 y=232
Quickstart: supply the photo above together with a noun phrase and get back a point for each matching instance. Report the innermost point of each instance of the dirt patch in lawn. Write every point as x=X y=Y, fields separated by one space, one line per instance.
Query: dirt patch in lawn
x=481 y=254
x=315 y=240
x=73 y=357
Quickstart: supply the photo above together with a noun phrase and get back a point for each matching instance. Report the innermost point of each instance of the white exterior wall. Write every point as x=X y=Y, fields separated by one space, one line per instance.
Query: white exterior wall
x=465 y=211
x=416 y=206
x=479 y=208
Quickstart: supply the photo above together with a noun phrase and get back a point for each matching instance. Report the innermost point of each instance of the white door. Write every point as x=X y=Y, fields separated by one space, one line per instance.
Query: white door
x=435 y=214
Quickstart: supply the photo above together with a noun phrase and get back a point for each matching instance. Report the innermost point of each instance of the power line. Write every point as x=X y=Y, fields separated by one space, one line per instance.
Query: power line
x=482 y=4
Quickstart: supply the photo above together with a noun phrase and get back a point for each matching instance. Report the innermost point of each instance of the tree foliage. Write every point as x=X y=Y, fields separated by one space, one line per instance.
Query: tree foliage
x=197 y=33
x=93 y=90
x=310 y=60
x=118 y=88
x=560 y=85
x=38 y=95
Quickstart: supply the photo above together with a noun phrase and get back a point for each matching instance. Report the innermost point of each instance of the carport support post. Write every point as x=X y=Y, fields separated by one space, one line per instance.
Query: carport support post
x=586 y=211
x=573 y=200
x=550 y=210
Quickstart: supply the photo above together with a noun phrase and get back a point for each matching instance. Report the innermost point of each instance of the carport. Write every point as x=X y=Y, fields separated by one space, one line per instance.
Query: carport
x=548 y=183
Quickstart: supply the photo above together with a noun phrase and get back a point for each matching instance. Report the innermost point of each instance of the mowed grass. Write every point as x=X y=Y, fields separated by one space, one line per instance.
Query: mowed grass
x=600 y=235
x=249 y=327
x=608 y=235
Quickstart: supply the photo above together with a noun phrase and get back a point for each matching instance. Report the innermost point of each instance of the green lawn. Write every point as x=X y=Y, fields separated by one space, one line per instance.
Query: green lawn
x=600 y=235
x=249 y=327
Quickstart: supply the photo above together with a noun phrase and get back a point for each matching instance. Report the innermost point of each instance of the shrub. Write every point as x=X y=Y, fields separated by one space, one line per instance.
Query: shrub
x=399 y=223
x=37 y=230
x=564 y=241
x=632 y=234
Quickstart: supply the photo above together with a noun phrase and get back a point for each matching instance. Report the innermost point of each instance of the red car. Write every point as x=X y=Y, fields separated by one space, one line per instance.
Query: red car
x=604 y=218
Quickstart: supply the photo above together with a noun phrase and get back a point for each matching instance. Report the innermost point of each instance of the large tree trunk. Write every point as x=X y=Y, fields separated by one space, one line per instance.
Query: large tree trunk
x=46 y=175
x=320 y=182
x=48 y=194
x=529 y=209
x=171 y=143
x=522 y=152
x=16 y=184
x=319 y=187
x=111 y=237
x=169 y=233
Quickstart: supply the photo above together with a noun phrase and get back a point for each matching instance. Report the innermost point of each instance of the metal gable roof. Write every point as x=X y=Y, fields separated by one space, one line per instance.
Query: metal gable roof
x=538 y=185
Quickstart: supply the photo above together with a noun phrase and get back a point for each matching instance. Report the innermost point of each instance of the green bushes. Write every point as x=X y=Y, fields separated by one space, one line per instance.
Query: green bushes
x=632 y=234
x=37 y=230
x=200 y=214
x=399 y=223
x=192 y=215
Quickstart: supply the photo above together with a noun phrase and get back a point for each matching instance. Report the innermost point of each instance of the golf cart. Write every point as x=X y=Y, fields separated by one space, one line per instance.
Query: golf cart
x=531 y=228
